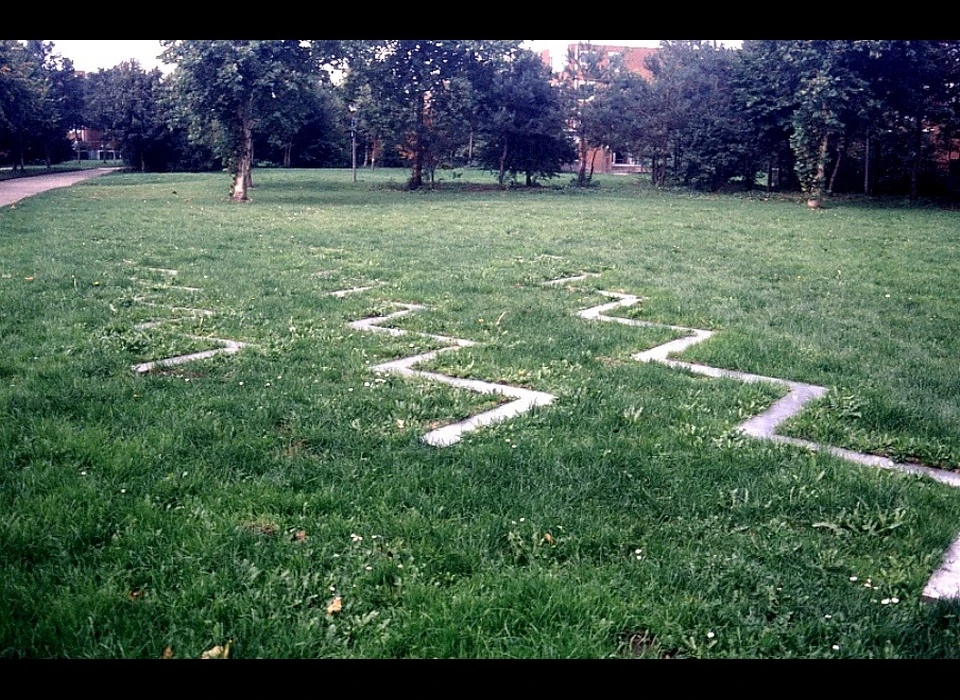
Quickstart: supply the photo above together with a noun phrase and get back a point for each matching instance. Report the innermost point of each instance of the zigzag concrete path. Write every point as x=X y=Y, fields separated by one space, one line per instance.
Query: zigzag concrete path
x=944 y=584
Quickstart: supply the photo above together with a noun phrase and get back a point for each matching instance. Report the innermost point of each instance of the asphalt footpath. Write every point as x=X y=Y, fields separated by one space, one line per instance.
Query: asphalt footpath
x=12 y=191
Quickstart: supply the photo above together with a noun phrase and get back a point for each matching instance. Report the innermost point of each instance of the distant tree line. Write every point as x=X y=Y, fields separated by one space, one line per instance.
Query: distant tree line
x=818 y=116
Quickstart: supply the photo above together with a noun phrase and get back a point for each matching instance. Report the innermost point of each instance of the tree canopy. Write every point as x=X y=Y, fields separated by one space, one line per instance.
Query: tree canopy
x=816 y=116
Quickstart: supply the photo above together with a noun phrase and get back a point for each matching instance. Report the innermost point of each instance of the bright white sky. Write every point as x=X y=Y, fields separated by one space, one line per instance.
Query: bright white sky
x=93 y=55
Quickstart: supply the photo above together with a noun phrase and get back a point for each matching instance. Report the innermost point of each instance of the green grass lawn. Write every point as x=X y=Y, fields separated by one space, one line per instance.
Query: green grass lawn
x=279 y=499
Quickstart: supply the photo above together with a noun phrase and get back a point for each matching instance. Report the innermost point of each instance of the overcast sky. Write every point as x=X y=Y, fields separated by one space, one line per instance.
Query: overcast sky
x=92 y=55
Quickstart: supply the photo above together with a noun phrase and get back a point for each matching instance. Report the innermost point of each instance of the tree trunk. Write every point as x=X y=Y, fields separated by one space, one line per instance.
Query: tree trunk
x=915 y=164
x=836 y=168
x=419 y=147
x=582 y=173
x=287 y=155
x=503 y=164
x=416 y=173
x=250 y=169
x=821 y=171
x=242 y=178
x=866 y=166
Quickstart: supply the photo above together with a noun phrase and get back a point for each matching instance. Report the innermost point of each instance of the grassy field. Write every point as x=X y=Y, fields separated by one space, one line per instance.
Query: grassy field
x=280 y=499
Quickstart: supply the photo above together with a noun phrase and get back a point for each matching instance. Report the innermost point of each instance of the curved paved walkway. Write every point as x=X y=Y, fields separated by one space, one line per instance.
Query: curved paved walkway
x=12 y=191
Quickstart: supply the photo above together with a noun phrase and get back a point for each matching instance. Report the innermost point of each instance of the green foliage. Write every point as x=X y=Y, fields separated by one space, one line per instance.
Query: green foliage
x=41 y=98
x=523 y=127
x=230 y=88
x=423 y=96
x=131 y=107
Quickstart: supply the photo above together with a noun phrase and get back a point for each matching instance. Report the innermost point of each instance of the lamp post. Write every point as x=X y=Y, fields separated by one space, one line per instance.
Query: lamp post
x=353 y=137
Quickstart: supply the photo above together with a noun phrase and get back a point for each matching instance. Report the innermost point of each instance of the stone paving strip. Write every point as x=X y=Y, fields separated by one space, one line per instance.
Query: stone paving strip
x=341 y=293
x=944 y=584
x=523 y=399
x=227 y=346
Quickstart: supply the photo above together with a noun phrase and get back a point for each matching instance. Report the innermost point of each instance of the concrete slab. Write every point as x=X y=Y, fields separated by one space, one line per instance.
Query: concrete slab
x=523 y=399
x=227 y=346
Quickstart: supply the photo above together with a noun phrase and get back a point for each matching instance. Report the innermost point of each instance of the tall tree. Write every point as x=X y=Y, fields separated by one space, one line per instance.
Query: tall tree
x=229 y=86
x=696 y=118
x=128 y=105
x=41 y=99
x=523 y=125
x=21 y=96
x=422 y=92
x=584 y=78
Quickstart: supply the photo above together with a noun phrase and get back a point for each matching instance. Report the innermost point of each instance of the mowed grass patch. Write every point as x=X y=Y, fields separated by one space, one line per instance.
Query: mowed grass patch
x=281 y=499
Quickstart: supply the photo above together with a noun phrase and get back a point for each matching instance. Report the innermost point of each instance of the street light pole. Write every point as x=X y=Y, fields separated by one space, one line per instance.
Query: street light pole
x=353 y=138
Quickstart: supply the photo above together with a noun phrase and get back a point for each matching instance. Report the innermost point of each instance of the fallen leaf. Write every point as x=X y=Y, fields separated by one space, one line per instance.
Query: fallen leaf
x=135 y=595
x=217 y=652
x=29 y=279
x=299 y=535
x=548 y=538
x=335 y=606
x=167 y=653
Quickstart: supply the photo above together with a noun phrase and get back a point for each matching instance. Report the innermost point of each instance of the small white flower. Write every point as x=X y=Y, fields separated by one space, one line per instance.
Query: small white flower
x=894 y=600
x=836 y=647
x=710 y=635
x=123 y=490
x=885 y=601
x=241 y=383
x=827 y=617
x=853 y=578
x=368 y=568
x=83 y=473
x=522 y=519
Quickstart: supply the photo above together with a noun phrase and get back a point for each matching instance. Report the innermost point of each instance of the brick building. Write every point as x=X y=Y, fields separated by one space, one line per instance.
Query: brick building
x=634 y=59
